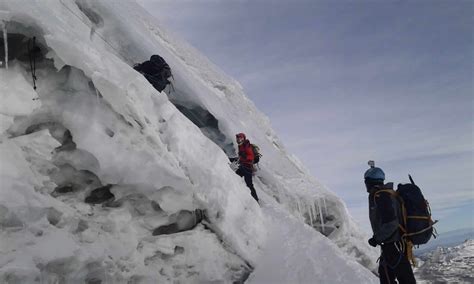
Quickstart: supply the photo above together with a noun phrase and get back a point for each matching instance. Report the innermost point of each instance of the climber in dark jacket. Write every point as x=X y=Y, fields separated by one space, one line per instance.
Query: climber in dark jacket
x=246 y=157
x=156 y=71
x=385 y=214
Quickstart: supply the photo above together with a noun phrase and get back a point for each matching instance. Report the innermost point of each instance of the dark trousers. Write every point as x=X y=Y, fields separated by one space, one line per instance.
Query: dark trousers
x=394 y=264
x=247 y=174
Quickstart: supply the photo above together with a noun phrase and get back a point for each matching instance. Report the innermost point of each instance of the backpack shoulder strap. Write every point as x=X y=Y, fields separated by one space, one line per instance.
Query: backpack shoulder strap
x=389 y=191
x=402 y=206
x=404 y=217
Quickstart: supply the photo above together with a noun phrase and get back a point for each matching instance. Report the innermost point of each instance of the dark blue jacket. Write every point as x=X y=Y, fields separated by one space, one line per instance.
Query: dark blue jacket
x=385 y=215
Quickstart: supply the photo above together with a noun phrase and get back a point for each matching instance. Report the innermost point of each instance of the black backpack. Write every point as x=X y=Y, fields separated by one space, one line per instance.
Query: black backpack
x=156 y=71
x=162 y=68
x=417 y=225
x=256 y=153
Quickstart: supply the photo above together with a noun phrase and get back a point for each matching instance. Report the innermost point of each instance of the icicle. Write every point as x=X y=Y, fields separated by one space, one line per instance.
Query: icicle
x=308 y=210
x=311 y=215
x=313 y=209
x=299 y=207
x=5 y=42
x=325 y=207
x=321 y=215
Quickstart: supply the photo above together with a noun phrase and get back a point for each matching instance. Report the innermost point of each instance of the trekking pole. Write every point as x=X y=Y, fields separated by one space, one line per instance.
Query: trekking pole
x=411 y=179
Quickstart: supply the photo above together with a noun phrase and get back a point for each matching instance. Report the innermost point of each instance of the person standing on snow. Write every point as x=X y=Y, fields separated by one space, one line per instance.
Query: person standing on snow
x=246 y=158
x=385 y=216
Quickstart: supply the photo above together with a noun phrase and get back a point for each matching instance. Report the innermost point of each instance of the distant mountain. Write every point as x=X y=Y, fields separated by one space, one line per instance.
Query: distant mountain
x=447 y=239
x=447 y=265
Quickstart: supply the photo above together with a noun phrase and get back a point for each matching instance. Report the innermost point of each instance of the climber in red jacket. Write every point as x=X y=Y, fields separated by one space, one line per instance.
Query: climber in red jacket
x=246 y=160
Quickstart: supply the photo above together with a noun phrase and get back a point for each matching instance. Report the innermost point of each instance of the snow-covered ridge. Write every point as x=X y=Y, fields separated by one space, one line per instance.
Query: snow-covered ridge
x=447 y=264
x=94 y=128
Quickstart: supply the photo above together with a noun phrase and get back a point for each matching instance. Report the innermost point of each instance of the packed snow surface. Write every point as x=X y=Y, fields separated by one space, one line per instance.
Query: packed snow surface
x=106 y=180
x=297 y=254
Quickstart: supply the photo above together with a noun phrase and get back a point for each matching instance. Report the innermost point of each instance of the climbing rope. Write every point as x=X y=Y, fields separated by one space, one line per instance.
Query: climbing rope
x=32 y=57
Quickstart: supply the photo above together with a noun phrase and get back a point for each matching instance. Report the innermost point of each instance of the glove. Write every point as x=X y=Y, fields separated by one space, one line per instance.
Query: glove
x=234 y=165
x=372 y=242
x=233 y=159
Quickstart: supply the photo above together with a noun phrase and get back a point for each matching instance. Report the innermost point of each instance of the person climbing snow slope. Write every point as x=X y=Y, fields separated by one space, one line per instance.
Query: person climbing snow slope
x=246 y=161
x=156 y=71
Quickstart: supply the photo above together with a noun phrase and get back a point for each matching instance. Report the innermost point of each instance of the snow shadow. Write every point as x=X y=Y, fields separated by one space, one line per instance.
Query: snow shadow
x=96 y=19
x=208 y=124
x=20 y=43
x=182 y=221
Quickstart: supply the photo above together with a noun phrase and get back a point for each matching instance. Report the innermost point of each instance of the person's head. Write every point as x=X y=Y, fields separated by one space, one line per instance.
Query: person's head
x=373 y=177
x=240 y=138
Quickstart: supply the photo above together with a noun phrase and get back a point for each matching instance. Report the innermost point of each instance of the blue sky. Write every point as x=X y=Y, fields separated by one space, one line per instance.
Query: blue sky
x=347 y=81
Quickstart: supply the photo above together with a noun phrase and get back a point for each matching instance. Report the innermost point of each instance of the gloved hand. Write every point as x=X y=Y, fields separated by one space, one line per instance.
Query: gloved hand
x=233 y=159
x=372 y=242
x=234 y=165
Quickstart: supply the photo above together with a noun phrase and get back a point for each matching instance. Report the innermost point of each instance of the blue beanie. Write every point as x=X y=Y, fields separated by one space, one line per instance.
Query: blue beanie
x=374 y=173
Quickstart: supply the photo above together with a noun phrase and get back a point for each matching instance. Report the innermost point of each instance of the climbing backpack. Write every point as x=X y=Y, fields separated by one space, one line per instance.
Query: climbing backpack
x=256 y=153
x=164 y=70
x=417 y=225
x=156 y=71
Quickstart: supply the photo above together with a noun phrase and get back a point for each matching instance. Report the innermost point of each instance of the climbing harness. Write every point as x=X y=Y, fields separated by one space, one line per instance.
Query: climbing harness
x=32 y=58
x=386 y=272
x=400 y=247
x=400 y=256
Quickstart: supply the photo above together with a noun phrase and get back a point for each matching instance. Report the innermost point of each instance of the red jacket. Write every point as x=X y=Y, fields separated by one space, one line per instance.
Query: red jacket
x=246 y=154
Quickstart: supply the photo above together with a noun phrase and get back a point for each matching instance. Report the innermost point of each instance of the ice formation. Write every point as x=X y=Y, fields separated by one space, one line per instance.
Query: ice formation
x=106 y=180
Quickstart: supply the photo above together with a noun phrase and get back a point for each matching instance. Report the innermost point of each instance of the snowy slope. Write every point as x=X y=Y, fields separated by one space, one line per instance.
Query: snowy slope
x=298 y=254
x=94 y=125
x=447 y=265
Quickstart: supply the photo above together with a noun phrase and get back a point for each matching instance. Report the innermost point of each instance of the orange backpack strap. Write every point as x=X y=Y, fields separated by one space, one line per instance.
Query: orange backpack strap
x=410 y=256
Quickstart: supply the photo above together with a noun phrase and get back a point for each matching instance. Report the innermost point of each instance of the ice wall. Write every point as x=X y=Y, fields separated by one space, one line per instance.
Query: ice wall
x=106 y=136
